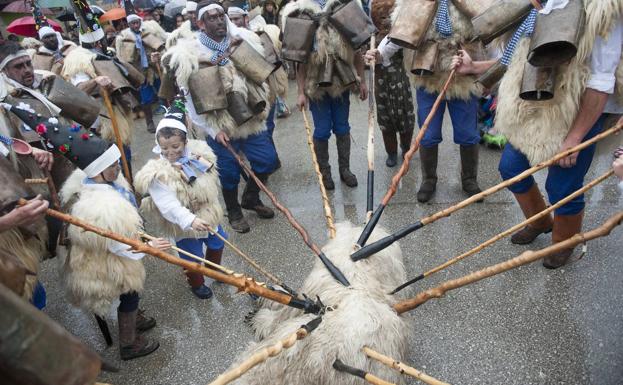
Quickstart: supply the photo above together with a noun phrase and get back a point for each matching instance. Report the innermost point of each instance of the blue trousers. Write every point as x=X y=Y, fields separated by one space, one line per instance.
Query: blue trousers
x=39 y=297
x=560 y=182
x=195 y=245
x=330 y=115
x=149 y=92
x=464 y=115
x=258 y=149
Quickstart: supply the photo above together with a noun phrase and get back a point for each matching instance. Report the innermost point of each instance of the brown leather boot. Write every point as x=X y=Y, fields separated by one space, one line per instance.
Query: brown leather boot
x=428 y=164
x=321 y=148
x=391 y=147
x=131 y=344
x=251 y=198
x=343 y=159
x=143 y=322
x=565 y=226
x=531 y=203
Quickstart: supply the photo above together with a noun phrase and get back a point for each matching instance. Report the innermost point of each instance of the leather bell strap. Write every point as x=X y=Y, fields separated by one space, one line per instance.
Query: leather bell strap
x=537 y=4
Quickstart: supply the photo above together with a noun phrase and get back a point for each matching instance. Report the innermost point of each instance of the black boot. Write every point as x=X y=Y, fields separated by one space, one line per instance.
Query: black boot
x=469 y=170
x=234 y=212
x=131 y=344
x=428 y=164
x=144 y=323
x=251 y=198
x=391 y=147
x=343 y=159
x=321 y=148
x=149 y=119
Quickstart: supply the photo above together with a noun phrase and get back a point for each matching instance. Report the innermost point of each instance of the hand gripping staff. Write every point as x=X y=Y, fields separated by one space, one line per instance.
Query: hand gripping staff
x=383 y=243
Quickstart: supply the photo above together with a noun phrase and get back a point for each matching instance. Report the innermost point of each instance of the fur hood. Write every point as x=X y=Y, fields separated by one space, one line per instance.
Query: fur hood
x=538 y=128
x=94 y=277
x=362 y=316
x=201 y=198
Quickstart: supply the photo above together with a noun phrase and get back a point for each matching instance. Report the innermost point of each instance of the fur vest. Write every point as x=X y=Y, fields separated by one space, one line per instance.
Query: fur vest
x=183 y=59
x=328 y=43
x=94 y=277
x=462 y=87
x=80 y=60
x=125 y=46
x=201 y=197
x=538 y=128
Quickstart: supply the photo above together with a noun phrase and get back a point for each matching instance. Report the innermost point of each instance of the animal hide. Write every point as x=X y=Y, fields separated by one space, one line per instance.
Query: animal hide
x=538 y=128
x=329 y=42
x=462 y=87
x=360 y=315
x=93 y=276
x=201 y=198
x=29 y=249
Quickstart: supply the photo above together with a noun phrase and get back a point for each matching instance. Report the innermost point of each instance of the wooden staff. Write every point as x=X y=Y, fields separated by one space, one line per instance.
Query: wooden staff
x=56 y=202
x=36 y=181
x=335 y=272
x=323 y=191
x=266 y=353
x=243 y=283
x=368 y=377
x=191 y=255
x=382 y=243
x=115 y=128
x=371 y=118
x=402 y=368
x=523 y=259
x=404 y=168
x=508 y=232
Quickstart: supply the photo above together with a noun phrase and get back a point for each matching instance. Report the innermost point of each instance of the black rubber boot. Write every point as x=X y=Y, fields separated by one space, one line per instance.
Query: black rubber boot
x=234 y=212
x=321 y=147
x=343 y=159
x=251 y=198
x=391 y=147
x=428 y=164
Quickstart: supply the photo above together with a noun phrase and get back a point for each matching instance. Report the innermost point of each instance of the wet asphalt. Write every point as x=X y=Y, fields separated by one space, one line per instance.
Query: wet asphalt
x=527 y=326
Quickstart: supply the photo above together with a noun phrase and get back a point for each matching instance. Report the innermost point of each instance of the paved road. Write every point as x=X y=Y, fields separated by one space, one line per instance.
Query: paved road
x=529 y=326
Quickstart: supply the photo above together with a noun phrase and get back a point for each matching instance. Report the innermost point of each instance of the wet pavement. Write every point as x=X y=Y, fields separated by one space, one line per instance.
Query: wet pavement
x=528 y=326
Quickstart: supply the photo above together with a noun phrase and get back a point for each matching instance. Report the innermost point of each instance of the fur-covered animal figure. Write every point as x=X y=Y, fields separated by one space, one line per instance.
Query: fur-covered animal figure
x=201 y=197
x=359 y=315
x=462 y=87
x=95 y=277
x=538 y=128
x=185 y=57
x=328 y=42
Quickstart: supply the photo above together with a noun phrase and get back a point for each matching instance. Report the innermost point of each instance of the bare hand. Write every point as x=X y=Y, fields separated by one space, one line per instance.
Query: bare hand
x=463 y=63
x=24 y=215
x=363 y=91
x=572 y=159
x=155 y=57
x=302 y=102
x=200 y=225
x=222 y=138
x=160 y=243
x=372 y=55
x=43 y=158
x=103 y=81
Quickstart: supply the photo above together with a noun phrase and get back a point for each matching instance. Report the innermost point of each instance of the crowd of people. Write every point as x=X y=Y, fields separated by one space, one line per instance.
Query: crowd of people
x=215 y=72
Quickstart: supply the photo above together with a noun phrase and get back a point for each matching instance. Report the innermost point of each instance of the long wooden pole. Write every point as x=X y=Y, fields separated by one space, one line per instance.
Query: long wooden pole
x=335 y=272
x=507 y=232
x=243 y=283
x=368 y=377
x=323 y=191
x=385 y=242
x=523 y=259
x=402 y=368
x=404 y=168
x=264 y=354
x=56 y=202
x=371 y=119
x=115 y=128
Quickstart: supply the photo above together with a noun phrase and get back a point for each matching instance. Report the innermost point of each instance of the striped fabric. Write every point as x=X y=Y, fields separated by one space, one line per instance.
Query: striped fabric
x=525 y=29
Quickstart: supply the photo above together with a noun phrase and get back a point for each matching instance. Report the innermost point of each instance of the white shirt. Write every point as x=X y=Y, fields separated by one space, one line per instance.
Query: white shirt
x=170 y=207
x=605 y=59
x=200 y=120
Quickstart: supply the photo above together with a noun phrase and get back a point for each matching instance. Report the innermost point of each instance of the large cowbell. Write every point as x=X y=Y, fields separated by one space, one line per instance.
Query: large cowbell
x=538 y=83
x=352 y=23
x=499 y=18
x=298 y=37
x=414 y=19
x=557 y=34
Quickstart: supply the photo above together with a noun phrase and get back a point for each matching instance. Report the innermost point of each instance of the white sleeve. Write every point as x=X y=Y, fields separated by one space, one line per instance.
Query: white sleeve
x=121 y=249
x=170 y=207
x=197 y=119
x=387 y=50
x=80 y=77
x=605 y=58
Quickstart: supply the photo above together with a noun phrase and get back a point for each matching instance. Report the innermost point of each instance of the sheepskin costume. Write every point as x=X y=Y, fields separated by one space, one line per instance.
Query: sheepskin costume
x=80 y=61
x=42 y=58
x=125 y=45
x=538 y=128
x=360 y=315
x=328 y=42
x=186 y=55
x=200 y=197
x=463 y=86
x=93 y=276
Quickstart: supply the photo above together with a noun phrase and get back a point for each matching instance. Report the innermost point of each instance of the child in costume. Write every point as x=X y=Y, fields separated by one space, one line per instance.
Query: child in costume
x=183 y=189
x=98 y=270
